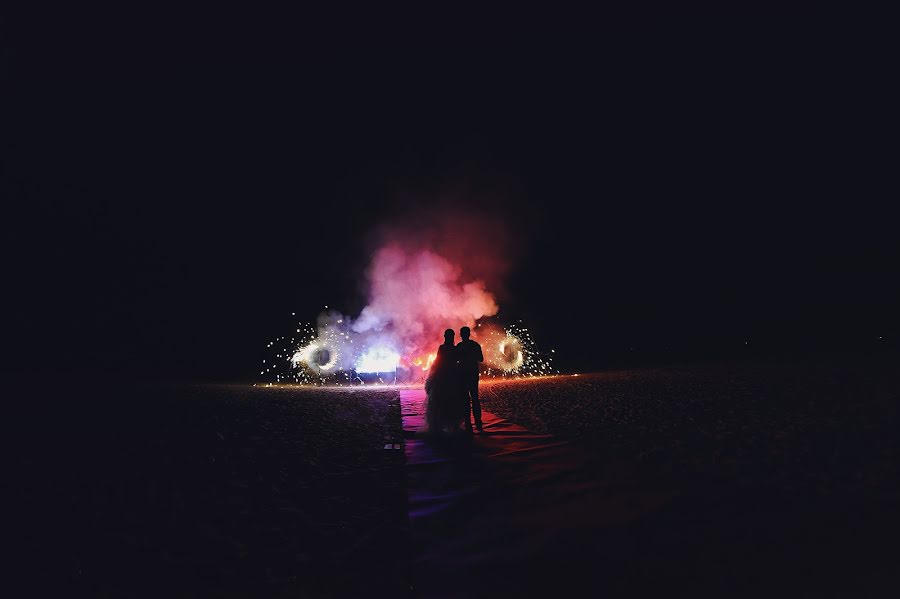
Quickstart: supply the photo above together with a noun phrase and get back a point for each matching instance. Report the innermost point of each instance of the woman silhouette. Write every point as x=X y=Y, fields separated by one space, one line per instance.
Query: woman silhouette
x=444 y=407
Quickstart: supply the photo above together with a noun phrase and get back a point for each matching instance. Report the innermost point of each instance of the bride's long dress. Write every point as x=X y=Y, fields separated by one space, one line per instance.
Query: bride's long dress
x=443 y=411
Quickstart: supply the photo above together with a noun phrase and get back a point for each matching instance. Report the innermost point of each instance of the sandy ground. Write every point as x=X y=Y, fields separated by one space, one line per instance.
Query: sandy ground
x=783 y=481
x=165 y=491
x=786 y=477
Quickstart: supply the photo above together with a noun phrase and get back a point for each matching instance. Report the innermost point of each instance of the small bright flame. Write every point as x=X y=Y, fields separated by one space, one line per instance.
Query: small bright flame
x=425 y=362
x=378 y=359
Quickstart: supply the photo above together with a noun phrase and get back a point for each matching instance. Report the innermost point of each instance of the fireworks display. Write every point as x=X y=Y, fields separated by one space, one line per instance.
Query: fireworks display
x=511 y=350
x=332 y=356
x=417 y=289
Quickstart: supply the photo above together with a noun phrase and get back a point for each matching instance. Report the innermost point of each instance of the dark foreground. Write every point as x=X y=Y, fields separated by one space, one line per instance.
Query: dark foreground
x=214 y=491
x=782 y=480
x=785 y=478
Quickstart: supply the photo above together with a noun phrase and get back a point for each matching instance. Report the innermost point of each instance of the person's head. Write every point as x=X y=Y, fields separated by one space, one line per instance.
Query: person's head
x=464 y=333
x=448 y=336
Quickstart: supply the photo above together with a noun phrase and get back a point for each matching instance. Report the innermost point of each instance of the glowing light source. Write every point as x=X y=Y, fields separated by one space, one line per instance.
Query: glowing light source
x=511 y=353
x=316 y=356
x=378 y=359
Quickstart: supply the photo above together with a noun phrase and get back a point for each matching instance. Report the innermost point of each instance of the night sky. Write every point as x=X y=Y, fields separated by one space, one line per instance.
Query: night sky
x=174 y=192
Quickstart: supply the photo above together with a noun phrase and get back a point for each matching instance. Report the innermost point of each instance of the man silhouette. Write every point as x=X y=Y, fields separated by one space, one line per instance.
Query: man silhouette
x=469 y=354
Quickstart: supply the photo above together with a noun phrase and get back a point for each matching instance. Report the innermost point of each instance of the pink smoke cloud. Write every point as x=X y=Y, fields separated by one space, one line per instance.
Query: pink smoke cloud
x=479 y=233
x=416 y=293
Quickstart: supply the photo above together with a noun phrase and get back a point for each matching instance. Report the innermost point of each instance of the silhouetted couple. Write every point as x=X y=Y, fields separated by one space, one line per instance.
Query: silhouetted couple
x=452 y=385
